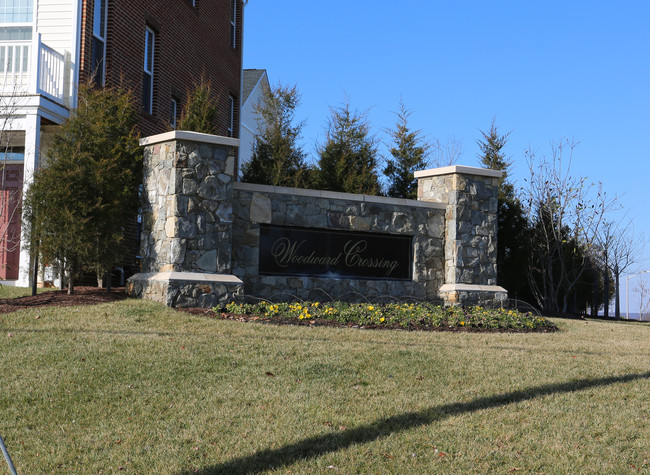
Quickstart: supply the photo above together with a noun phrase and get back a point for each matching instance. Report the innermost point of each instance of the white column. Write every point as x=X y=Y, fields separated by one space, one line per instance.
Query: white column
x=32 y=150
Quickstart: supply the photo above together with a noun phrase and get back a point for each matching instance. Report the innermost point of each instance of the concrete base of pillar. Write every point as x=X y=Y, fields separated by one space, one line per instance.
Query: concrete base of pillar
x=470 y=294
x=185 y=289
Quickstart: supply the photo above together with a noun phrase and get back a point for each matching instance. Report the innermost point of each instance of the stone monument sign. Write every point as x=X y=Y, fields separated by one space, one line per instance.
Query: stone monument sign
x=207 y=239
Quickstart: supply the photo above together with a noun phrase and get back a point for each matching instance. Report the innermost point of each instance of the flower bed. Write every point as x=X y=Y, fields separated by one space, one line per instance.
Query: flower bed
x=407 y=316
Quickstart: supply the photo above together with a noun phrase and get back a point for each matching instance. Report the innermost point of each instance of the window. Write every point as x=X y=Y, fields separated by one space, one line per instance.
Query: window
x=16 y=11
x=173 y=112
x=18 y=16
x=98 y=42
x=233 y=23
x=16 y=33
x=147 y=77
x=231 y=122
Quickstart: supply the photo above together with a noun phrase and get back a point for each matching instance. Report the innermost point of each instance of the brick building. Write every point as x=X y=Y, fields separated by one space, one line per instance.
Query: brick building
x=158 y=48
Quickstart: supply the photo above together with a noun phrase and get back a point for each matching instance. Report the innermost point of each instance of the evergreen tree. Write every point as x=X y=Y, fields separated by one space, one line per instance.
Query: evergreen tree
x=87 y=189
x=492 y=157
x=409 y=155
x=278 y=158
x=349 y=159
x=513 y=233
x=199 y=113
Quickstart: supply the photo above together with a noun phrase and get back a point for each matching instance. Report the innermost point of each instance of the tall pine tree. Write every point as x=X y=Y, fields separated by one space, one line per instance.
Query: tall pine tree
x=492 y=157
x=278 y=158
x=349 y=158
x=409 y=154
x=513 y=235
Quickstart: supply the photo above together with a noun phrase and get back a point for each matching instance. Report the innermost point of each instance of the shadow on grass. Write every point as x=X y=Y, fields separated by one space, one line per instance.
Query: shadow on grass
x=316 y=446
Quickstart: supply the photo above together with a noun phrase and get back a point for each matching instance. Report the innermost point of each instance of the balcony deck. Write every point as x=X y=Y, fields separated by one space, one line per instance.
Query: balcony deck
x=24 y=73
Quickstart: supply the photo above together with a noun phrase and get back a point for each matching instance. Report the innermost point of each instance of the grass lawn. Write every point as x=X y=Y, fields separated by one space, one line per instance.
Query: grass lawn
x=134 y=386
x=11 y=292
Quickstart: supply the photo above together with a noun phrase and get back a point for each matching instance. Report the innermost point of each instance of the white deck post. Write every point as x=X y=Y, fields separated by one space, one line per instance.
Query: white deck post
x=32 y=150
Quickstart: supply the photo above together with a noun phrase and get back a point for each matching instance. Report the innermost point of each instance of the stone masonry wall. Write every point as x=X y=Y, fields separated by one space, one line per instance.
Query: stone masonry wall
x=187 y=210
x=471 y=223
x=186 y=237
x=201 y=230
x=470 y=230
x=255 y=204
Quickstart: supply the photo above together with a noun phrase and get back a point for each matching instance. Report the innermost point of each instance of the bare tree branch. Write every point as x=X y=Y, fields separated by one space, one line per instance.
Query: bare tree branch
x=444 y=154
x=619 y=249
x=566 y=216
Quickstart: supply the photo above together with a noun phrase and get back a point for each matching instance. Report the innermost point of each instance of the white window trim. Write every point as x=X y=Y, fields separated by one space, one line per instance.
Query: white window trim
x=231 y=126
x=17 y=25
x=150 y=34
x=173 y=112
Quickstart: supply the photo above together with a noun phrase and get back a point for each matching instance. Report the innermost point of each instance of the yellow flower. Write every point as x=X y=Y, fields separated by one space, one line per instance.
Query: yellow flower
x=370 y=307
x=462 y=323
x=382 y=319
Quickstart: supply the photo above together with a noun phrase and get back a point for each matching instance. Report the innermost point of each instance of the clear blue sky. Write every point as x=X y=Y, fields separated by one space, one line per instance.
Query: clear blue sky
x=543 y=70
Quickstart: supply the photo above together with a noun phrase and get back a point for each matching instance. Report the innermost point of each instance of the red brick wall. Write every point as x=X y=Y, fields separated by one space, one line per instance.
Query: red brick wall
x=190 y=42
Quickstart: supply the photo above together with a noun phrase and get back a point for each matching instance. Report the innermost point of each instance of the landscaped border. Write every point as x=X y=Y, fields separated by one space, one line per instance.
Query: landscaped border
x=395 y=316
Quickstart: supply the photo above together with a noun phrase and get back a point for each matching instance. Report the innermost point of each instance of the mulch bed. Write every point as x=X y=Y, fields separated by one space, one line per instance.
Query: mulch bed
x=60 y=298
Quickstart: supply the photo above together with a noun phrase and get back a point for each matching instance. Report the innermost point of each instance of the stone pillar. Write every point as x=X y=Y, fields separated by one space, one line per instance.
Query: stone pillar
x=470 y=231
x=186 y=237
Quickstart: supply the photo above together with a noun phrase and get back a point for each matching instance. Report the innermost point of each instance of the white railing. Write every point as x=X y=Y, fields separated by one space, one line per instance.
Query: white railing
x=15 y=66
x=23 y=73
x=51 y=66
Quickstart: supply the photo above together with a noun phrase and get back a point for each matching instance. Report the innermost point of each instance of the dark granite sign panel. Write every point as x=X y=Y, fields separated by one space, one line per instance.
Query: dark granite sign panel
x=335 y=254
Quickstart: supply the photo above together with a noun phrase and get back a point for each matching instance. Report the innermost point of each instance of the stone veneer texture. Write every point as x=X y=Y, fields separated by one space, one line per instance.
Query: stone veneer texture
x=187 y=208
x=201 y=231
x=255 y=204
x=471 y=224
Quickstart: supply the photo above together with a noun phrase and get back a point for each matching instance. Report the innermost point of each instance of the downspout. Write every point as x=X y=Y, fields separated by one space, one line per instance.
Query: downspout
x=76 y=51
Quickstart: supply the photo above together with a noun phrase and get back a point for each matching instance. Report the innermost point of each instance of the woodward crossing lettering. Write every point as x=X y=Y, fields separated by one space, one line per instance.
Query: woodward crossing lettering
x=336 y=254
